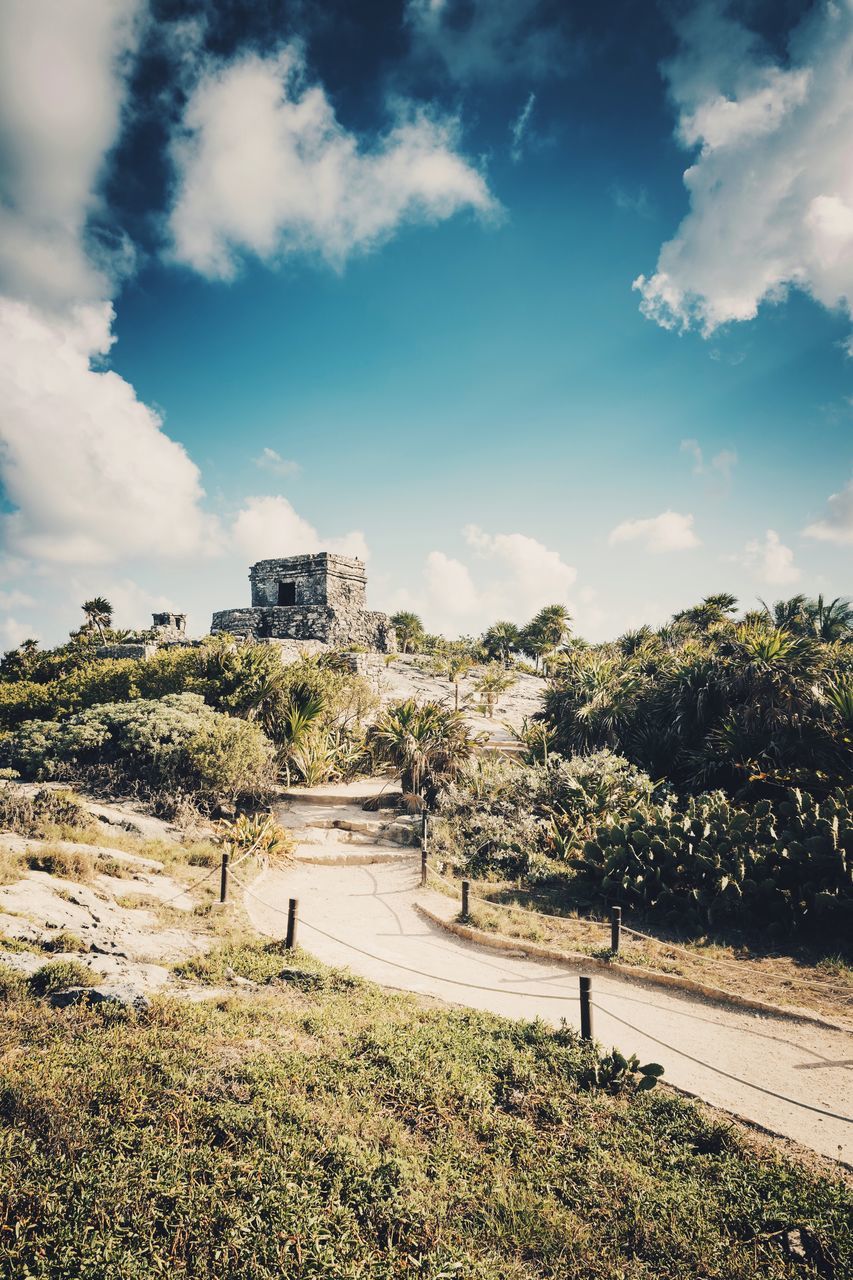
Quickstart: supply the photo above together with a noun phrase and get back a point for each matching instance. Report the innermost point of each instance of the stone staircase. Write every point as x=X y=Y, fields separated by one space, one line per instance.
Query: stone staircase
x=332 y=827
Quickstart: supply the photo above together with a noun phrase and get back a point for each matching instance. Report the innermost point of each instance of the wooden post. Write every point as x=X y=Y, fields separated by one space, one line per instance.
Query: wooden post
x=223 y=878
x=290 y=940
x=615 y=929
x=586 y=1008
x=424 y=826
x=466 y=890
x=423 y=866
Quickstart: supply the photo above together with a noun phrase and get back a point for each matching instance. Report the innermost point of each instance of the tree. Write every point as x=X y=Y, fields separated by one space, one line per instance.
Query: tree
x=500 y=641
x=410 y=631
x=99 y=615
x=832 y=620
x=547 y=632
x=491 y=683
x=426 y=743
x=454 y=664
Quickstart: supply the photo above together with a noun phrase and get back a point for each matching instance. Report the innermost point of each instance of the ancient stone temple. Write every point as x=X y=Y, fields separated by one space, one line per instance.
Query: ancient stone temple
x=318 y=598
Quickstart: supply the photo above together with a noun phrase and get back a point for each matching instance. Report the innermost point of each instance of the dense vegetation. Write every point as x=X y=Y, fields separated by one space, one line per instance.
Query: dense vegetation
x=323 y=1127
x=754 y=706
x=595 y=831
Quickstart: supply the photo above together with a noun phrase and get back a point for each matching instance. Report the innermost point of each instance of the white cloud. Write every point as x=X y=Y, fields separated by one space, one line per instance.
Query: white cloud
x=720 y=466
x=519 y=128
x=531 y=574
x=268 y=527
x=15 y=600
x=86 y=464
x=270 y=460
x=770 y=561
x=264 y=167
x=13 y=633
x=837 y=524
x=62 y=86
x=491 y=39
x=771 y=189
x=450 y=587
x=670 y=531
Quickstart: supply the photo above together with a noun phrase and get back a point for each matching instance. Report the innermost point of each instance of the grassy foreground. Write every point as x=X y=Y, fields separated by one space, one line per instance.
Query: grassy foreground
x=322 y=1127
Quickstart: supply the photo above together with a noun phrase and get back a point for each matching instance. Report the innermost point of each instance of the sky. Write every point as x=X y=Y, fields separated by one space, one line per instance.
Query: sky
x=519 y=302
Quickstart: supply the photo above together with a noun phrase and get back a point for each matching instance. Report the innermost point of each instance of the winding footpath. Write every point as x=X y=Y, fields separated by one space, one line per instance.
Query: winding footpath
x=790 y=1077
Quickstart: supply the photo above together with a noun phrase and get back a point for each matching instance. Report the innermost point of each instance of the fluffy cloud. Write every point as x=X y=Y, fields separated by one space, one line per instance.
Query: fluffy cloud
x=670 y=531
x=86 y=464
x=268 y=527
x=837 y=524
x=491 y=39
x=62 y=86
x=771 y=189
x=450 y=588
x=263 y=166
x=270 y=460
x=770 y=560
x=531 y=574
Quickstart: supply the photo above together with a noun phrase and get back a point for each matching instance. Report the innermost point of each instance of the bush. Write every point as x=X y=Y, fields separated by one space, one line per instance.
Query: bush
x=173 y=745
x=58 y=975
x=34 y=814
x=71 y=864
x=786 y=868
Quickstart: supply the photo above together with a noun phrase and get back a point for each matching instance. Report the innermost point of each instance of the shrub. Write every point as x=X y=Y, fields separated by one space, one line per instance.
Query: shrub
x=58 y=975
x=173 y=745
x=71 y=864
x=35 y=813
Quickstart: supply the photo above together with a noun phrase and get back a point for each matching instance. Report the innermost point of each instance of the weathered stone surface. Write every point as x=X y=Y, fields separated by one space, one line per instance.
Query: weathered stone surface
x=125 y=650
x=170 y=628
x=322 y=579
x=328 y=593
x=126 y=997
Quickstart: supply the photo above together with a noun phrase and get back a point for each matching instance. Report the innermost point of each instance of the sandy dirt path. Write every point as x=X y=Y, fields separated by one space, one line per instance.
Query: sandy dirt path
x=364 y=918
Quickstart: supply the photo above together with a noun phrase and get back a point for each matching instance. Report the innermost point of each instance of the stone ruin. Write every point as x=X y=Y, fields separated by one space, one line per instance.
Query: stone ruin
x=314 y=600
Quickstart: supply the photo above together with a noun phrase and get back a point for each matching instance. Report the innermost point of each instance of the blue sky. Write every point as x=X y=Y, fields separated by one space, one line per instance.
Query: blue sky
x=428 y=285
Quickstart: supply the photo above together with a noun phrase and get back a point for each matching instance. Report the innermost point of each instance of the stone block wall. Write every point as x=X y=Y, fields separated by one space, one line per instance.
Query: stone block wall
x=337 y=628
x=322 y=579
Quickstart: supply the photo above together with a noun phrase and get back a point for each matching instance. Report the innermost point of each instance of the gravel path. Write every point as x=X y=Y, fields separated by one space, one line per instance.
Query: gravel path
x=364 y=917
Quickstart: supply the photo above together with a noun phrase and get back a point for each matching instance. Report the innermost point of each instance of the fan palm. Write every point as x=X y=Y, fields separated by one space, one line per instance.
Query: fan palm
x=99 y=615
x=410 y=630
x=425 y=742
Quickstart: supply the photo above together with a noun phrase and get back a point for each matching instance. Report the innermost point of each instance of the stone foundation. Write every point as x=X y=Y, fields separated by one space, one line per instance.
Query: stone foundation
x=334 y=627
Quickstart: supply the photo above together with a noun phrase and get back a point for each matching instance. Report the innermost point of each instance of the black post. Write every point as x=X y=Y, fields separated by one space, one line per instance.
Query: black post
x=423 y=867
x=290 y=940
x=223 y=878
x=466 y=889
x=615 y=929
x=586 y=1008
x=424 y=826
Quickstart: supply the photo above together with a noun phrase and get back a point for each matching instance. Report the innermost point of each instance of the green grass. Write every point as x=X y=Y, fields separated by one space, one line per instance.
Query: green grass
x=339 y=1131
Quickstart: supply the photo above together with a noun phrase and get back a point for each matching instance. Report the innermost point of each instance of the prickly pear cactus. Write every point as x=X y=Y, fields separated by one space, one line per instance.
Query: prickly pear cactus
x=787 y=868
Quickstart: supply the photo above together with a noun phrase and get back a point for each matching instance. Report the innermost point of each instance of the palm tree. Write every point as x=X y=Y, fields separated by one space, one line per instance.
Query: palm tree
x=99 y=615
x=491 y=683
x=791 y=614
x=426 y=743
x=410 y=630
x=501 y=640
x=831 y=620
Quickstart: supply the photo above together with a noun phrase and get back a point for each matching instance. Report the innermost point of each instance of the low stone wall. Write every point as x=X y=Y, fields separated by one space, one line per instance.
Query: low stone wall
x=338 y=628
x=125 y=650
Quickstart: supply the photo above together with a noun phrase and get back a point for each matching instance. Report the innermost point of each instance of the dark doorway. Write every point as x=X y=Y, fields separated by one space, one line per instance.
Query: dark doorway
x=287 y=593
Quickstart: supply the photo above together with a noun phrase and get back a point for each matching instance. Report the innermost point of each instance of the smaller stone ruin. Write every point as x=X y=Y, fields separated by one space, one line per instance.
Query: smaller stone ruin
x=313 y=600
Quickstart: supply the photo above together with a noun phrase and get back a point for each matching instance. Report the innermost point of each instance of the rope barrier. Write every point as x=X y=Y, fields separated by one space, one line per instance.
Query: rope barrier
x=164 y=902
x=432 y=977
x=473 y=986
x=734 y=965
x=806 y=1106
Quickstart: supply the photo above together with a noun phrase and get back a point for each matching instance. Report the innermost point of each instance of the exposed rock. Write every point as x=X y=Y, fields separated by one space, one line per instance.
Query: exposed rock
x=125 y=997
